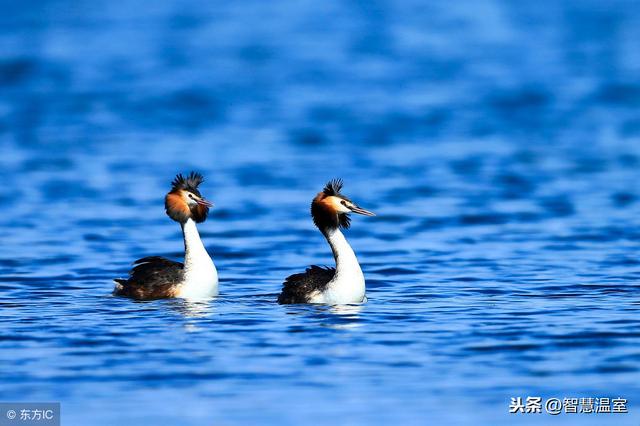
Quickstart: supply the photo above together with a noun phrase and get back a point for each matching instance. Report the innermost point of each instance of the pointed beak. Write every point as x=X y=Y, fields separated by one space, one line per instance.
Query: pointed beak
x=204 y=202
x=361 y=211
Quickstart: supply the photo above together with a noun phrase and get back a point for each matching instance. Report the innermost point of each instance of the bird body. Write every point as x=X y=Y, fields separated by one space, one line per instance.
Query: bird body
x=340 y=285
x=155 y=277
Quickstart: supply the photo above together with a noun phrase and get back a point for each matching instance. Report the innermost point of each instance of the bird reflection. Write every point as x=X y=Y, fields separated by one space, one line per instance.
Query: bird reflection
x=346 y=316
x=202 y=308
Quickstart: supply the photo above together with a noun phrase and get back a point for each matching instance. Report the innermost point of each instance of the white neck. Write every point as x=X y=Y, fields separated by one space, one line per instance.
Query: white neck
x=200 y=275
x=347 y=286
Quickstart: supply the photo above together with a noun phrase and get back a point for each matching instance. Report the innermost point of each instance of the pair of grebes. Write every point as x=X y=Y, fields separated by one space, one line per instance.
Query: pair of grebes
x=155 y=277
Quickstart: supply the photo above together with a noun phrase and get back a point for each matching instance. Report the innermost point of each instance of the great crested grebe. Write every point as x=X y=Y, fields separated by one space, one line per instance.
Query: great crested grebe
x=344 y=283
x=155 y=277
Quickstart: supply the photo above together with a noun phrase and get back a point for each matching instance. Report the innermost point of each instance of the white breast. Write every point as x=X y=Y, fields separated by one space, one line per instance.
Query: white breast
x=347 y=286
x=201 y=281
x=200 y=274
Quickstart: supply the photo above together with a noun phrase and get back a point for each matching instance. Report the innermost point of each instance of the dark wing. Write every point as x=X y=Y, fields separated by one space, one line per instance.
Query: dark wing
x=152 y=277
x=297 y=288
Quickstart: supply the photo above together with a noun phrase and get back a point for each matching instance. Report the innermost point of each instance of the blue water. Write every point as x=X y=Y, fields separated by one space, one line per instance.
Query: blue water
x=498 y=141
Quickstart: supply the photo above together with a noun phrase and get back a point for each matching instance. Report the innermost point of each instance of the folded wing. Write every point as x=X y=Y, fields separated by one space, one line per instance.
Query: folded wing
x=298 y=288
x=151 y=278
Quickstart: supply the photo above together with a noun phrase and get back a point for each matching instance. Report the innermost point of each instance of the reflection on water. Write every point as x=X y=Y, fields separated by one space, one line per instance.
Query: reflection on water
x=348 y=316
x=346 y=311
x=194 y=308
x=496 y=140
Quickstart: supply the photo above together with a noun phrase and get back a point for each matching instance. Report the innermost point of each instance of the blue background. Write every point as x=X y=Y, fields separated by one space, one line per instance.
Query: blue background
x=498 y=141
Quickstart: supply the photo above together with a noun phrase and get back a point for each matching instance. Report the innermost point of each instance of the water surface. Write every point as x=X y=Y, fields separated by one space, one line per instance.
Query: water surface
x=497 y=141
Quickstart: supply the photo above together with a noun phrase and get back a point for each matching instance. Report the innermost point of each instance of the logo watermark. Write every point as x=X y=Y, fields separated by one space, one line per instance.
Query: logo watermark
x=555 y=406
x=29 y=414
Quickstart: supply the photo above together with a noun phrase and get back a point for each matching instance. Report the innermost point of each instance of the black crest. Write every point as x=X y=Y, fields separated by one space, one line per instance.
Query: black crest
x=179 y=210
x=326 y=219
x=333 y=187
x=190 y=183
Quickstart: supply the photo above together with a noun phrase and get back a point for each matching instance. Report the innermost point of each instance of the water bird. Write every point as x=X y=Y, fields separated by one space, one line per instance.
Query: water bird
x=156 y=277
x=340 y=285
